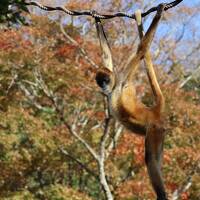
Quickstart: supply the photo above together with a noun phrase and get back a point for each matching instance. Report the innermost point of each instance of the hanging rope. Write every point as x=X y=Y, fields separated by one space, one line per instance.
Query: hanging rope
x=94 y=14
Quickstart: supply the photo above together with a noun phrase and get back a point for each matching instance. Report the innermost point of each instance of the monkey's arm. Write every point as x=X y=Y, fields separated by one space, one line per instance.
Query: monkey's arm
x=107 y=56
x=149 y=67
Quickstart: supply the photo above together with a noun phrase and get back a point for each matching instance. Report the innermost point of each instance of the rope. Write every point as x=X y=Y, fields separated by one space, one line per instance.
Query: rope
x=94 y=14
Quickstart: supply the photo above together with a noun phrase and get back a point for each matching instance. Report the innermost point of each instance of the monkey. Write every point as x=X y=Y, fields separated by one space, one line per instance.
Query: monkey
x=123 y=103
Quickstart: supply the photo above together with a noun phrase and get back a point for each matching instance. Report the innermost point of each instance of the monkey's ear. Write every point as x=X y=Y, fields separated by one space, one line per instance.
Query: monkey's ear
x=106 y=52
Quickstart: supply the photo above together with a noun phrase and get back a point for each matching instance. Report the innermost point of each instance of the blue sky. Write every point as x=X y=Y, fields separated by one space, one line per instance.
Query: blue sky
x=167 y=28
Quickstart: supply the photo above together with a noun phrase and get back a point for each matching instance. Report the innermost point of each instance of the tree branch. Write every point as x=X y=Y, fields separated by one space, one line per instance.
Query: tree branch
x=79 y=163
x=114 y=140
x=82 y=51
x=102 y=155
x=58 y=107
x=187 y=183
x=194 y=73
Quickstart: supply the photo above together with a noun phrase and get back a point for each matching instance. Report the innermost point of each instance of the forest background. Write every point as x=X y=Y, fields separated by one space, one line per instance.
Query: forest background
x=52 y=112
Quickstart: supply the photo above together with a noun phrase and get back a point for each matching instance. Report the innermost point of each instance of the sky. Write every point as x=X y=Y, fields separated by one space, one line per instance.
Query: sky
x=171 y=28
x=188 y=3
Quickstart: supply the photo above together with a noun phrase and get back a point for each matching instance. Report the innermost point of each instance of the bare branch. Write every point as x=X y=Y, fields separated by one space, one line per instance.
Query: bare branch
x=194 y=73
x=57 y=105
x=79 y=163
x=99 y=158
x=114 y=139
x=102 y=174
x=105 y=136
x=187 y=183
x=82 y=51
x=80 y=139
x=13 y=82
x=30 y=96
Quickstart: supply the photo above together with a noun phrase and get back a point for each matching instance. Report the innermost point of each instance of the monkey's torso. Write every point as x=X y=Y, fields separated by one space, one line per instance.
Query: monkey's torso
x=125 y=107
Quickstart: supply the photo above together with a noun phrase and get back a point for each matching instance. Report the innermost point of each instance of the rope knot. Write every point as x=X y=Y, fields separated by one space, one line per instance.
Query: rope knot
x=94 y=14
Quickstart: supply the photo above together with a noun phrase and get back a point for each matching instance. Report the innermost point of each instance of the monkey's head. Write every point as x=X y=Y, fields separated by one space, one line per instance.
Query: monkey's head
x=105 y=80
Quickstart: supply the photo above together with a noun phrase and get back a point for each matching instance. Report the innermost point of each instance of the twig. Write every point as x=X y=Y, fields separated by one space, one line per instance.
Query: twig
x=82 y=51
x=187 y=183
x=80 y=139
x=79 y=163
x=114 y=140
x=31 y=97
x=13 y=82
x=94 y=14
x=102 y=155
x=99 y=156
x=195 y=72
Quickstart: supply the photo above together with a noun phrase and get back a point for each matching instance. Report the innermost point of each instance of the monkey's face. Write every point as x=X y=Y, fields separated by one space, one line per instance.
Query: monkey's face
x=105 y=80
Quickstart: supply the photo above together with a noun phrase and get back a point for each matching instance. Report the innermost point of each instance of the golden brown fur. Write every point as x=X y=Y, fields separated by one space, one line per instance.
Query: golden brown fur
x=125 y=106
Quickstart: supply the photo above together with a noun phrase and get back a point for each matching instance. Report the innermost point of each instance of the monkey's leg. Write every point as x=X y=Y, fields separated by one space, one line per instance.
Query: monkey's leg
x=159 y=98
x=149 y=67
x=153 y=157
x=148 y=37
x=145 y=43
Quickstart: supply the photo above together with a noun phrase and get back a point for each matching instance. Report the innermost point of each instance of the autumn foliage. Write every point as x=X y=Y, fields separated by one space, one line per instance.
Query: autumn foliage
x=32 y=135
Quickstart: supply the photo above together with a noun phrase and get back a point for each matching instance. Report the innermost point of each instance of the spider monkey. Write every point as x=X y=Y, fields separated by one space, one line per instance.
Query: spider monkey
x=123 y=103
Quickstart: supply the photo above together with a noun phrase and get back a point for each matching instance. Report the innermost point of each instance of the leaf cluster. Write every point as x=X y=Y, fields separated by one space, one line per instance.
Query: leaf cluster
x=10 y=11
